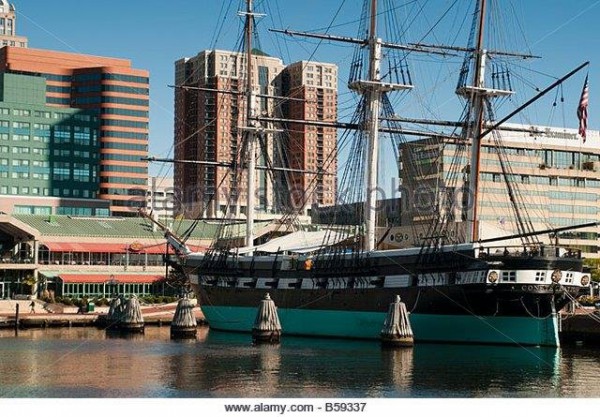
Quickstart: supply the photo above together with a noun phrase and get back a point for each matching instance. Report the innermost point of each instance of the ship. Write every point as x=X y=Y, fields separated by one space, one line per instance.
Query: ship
x=339 y=282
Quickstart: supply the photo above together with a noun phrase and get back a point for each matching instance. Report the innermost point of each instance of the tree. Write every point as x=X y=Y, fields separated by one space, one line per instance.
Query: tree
x=29 y=283
x=594 y=265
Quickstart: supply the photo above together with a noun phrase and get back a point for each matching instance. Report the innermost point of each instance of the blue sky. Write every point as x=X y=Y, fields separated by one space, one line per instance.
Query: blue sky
x=153 y=34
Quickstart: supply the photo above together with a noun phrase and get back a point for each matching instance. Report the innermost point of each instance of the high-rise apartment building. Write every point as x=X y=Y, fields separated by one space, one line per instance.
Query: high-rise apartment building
x=105 y=93
x=208 y=121
x=207 y=129
x=8 y=26
x=313 y=88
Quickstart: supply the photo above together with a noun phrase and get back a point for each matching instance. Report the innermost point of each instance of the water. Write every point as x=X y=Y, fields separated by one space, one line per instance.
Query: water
x=85 y=362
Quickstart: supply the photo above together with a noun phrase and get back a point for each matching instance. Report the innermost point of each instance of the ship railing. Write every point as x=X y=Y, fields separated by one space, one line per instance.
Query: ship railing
x=530 y=251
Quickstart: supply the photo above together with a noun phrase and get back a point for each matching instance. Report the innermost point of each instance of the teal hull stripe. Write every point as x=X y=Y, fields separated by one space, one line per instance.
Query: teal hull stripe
x=367 y=325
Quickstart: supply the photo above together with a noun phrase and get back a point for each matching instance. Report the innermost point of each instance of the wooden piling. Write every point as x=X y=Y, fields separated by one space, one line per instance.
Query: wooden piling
x=396 y=330
x=131 y=319
x=17 y=319
x=184 y=323
x=114 y=311
x=267 y=328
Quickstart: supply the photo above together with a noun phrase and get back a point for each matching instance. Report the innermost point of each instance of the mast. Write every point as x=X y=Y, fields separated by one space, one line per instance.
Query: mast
x=374 y=98
x=250 y=132
x=478 y=99
x=373 y=89
x=477 y=94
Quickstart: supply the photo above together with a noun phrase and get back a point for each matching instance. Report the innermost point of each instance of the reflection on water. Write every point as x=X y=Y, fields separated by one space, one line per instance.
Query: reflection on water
x=85 y=362
x=486 y=371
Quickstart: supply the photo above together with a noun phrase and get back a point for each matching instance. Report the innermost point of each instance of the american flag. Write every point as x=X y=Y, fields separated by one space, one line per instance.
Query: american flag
x=582 y=109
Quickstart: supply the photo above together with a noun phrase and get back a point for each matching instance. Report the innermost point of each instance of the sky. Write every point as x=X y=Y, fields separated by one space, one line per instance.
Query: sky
x=154 y=34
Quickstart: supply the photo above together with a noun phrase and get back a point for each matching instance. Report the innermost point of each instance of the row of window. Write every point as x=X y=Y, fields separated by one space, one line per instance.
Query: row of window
x=551 y=158
x=82 y=211
x=58 y=89
x=25 y=162
x=124 y=168
x=75 y=153
x=126 y=78
x=124 y=135
x=121 y=157
x=141 y=202
x=125 y=112
x=561 y=208
x=21 y=165
x=572 y=234
x=124 y=180
x=568 y=195
x=58 y=100
x=105 y=290
x=563 y=221
x=40 y=191
x=125 y=123
x=553 y=208
x=40 y=210
x=124 y=191
x=107 y=99
x=124 y=146
x=42 y=114
x=552 y=194
x=111 y=77
x=43 y=127
x=89 y=77
x=53 y=115
x=97 y=88
x=542 y=180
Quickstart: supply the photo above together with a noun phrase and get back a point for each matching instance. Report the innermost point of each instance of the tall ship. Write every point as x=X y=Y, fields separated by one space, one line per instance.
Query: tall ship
x=459 y=284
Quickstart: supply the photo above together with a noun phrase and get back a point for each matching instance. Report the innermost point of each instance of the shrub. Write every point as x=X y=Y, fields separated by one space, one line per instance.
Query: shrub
x=150 y=299
x=587 y=300
x=101 y=302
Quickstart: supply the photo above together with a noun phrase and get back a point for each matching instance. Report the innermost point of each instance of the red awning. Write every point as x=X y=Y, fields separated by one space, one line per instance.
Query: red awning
x=56 y=247
x=86 y=247
x=105 y=278
x=156 y=249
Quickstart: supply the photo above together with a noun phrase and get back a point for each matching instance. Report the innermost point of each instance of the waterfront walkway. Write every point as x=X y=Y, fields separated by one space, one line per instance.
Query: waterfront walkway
x=49 y=315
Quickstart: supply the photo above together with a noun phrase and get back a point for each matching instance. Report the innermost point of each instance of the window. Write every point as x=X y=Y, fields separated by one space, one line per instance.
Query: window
x=21 y=112
x=508 y=276
x=126 y=78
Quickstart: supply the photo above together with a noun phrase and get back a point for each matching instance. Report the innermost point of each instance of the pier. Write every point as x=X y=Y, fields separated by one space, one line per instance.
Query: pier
x=581 y=326
x=154 y=315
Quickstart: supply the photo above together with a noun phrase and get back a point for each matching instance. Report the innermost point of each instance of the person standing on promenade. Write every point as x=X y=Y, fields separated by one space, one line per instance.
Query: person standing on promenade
x=32 y=307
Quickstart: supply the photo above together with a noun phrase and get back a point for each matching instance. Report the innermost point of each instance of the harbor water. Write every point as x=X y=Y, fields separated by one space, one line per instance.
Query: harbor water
x=89 y=363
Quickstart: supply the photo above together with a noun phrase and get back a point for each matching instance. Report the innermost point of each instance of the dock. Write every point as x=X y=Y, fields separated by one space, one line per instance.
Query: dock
x=154 y=315
x=581 y=326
